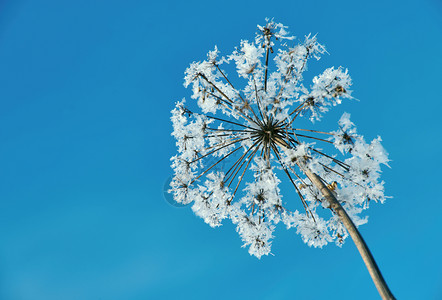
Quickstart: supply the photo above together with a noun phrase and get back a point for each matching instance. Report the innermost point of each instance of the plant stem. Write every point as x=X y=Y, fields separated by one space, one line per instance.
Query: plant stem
x=366 y=255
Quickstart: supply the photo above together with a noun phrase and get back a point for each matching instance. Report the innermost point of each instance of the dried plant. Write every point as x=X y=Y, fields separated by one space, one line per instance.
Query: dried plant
x=233 y=152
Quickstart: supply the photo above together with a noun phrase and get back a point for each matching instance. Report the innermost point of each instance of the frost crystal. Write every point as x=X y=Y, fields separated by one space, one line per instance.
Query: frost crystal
x=232 y=153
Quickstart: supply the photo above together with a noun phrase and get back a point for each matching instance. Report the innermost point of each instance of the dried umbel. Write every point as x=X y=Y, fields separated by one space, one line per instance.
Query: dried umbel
x=239 y=144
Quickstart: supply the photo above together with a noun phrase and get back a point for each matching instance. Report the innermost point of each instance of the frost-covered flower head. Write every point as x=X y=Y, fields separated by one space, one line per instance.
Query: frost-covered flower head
x=234 y=149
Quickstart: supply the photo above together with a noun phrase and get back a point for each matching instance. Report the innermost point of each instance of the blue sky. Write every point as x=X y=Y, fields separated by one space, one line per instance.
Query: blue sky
x=86 y=89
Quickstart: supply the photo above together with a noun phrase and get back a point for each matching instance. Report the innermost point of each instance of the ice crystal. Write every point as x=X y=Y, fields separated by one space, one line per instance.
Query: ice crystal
x=232 y=153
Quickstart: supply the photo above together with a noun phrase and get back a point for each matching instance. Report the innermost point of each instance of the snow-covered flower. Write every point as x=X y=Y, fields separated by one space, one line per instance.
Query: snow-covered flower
x=234 y=149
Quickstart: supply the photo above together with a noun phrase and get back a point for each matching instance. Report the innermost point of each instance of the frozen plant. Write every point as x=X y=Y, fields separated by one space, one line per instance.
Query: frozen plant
x=234 y=149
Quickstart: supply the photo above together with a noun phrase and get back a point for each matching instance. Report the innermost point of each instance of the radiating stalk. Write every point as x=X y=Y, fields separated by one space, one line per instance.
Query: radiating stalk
x=267 y=67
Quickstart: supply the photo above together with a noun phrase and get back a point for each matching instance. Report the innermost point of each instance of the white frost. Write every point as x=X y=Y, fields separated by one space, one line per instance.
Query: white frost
x=233 y=152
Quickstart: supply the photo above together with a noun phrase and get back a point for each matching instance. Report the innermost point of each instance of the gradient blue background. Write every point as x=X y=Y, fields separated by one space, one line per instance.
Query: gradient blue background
x=86 y=89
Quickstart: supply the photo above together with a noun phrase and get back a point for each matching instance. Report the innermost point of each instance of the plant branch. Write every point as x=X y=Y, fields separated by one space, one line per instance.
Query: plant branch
x=366 y=255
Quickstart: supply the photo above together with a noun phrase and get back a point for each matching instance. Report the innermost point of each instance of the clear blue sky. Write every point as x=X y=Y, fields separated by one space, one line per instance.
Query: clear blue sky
x=86 y=89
